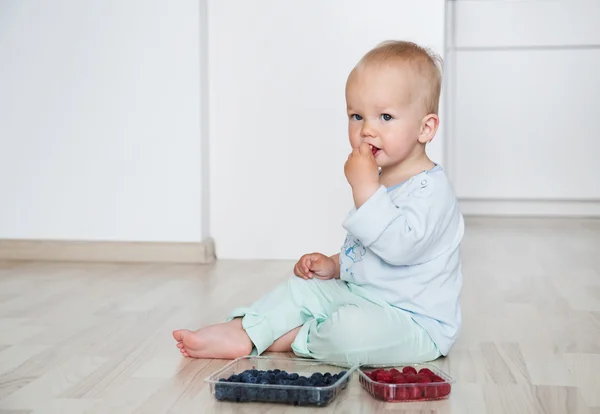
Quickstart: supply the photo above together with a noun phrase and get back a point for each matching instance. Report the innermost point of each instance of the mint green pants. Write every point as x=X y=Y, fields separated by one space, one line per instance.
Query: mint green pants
x=340 y=322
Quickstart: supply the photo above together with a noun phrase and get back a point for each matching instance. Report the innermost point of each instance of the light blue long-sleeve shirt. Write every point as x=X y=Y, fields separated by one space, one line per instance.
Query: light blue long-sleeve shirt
x=403 y=244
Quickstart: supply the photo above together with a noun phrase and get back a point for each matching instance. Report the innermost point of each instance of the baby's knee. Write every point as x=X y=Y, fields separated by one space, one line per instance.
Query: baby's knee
x=312 y=286
x=337 y=332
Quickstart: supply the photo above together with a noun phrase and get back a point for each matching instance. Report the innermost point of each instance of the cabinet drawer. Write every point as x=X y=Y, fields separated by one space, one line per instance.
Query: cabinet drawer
x=526 y=124
x=493 y=23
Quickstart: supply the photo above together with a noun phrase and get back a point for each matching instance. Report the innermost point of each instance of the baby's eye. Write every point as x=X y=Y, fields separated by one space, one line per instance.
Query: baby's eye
x=386 y=117
x=356 y=117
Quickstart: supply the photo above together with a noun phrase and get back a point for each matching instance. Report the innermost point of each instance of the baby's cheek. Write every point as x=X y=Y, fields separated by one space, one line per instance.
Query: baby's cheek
x=354 y=133
x=355 y=140
x=399 y=148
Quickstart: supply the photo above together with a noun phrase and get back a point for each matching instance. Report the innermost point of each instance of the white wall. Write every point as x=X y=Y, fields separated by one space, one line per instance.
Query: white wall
x=278 y=135
x=100 y=120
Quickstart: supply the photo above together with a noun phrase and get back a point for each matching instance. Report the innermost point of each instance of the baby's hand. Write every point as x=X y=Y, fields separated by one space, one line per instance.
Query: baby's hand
x=315 y=264
x=361 y=168
x=362 y=173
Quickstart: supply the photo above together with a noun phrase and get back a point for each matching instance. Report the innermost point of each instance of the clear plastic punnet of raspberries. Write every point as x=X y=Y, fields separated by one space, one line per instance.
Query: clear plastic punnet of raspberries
x=402 y=383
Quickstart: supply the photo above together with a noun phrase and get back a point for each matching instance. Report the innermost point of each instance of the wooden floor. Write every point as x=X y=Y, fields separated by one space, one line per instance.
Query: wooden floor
x=96 y=338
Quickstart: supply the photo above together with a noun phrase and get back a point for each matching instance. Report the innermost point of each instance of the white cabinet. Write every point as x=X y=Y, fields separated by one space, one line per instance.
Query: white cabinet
x=525 y=99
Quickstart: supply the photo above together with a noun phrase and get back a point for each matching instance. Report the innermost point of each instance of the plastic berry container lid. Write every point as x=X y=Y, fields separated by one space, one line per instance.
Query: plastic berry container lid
x=293 y=381
x=405 y=382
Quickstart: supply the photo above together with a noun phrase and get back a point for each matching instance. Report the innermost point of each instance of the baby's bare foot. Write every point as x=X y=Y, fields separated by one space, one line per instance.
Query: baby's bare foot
x=221 y=341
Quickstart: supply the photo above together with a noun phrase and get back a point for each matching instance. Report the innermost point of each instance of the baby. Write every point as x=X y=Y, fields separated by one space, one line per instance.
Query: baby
x=391 y=295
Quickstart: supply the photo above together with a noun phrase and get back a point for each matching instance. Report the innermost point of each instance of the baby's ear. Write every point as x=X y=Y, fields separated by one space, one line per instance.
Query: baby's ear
x=429 y=127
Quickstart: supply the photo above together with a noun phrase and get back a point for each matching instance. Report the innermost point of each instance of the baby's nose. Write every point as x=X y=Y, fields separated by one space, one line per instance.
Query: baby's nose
x=367 y=130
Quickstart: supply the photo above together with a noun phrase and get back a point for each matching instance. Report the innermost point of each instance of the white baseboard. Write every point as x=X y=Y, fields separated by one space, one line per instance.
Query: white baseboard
x=541 y=208
x=101 y=251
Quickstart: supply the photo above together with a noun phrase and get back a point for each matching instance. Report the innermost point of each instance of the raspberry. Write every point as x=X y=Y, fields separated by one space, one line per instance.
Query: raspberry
x=385 y=377
x=389 y=393
x=402 y=393
x=409 y=370
x=379 y=390
x=431 y=391
x=377 y=371
x=437 y=378
x=399 y=379
x=411 y=379
x=394 y=371
x=422 y=379
x=427 y=372
x=443 y=389
x=414 y=393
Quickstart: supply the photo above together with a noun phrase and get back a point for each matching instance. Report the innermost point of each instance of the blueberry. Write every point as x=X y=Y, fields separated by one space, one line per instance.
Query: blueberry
x=230 y=393
x=301 y=382
x=293 y=376
x=220 y=392
x=260 y=394
x=292 y=396
x=252 y=380
x=302 y=397
x=281 y=376
x=242 y=395
x=252 y=393
x=276 y=371
x=271 y=395
x=317 y=380
x=325 y=397
x=282 y=395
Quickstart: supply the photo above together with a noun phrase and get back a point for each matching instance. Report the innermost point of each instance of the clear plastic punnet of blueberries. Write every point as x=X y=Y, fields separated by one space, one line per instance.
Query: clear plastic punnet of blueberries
x=306 y=382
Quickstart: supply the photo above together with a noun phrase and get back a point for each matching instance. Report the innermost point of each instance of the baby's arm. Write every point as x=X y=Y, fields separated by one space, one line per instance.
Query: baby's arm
x=336 y=260
x=398 y=232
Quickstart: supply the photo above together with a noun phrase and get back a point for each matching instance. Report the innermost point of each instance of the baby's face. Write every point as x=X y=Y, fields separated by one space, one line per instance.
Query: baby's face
x=383 y=113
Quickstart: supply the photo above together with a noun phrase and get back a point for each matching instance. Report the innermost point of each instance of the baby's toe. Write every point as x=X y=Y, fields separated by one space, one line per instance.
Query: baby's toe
x=180 y=334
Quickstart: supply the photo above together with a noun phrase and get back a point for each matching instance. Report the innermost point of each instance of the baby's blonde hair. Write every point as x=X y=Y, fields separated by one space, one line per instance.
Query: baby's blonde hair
x=426 y=64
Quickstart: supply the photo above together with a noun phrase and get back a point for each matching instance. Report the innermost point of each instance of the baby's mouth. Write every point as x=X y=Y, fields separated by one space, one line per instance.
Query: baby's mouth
x=374 y=149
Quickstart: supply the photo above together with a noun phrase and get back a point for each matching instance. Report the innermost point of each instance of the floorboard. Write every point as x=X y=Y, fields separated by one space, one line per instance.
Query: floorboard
x=96 y=338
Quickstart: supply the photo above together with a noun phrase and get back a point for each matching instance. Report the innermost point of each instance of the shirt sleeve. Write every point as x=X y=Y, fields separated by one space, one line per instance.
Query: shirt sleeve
x=399 y=232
